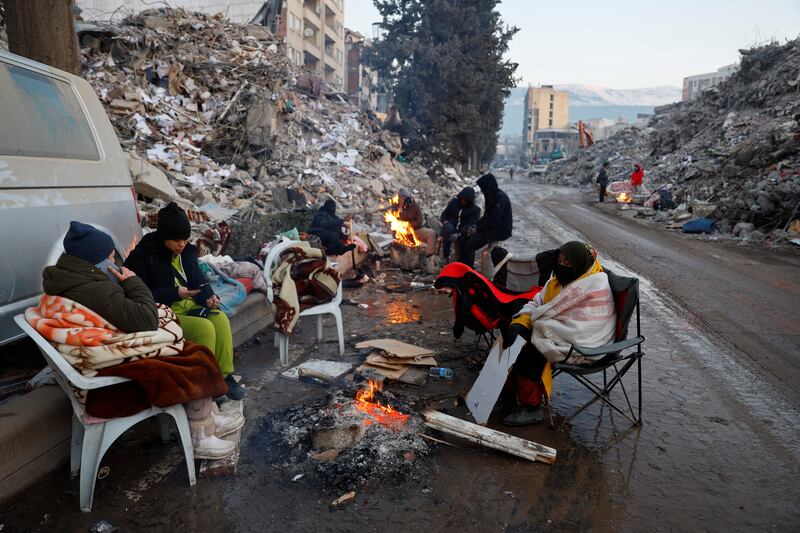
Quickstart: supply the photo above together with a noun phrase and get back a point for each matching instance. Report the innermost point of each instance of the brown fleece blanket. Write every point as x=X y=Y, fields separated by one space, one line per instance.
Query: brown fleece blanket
x=161 y=381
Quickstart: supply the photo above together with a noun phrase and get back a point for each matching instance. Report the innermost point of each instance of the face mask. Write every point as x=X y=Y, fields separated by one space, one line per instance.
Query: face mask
x=564 y=274
x=104 y=265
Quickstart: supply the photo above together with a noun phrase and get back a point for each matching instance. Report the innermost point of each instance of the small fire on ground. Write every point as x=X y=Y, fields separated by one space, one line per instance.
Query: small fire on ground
x=401 y=230
x=624 y=198
x=385 y=415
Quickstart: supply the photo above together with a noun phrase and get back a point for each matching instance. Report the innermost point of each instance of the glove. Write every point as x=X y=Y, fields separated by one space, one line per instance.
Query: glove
x=454 y=237
x=510 y=334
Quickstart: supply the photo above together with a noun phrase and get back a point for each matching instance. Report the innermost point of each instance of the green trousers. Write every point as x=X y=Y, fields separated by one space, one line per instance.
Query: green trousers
x=213 y=332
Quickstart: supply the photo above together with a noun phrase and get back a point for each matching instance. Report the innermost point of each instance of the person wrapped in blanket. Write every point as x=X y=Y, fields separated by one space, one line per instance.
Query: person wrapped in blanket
x=167 y=263
x=104 y=321
x=575 y=307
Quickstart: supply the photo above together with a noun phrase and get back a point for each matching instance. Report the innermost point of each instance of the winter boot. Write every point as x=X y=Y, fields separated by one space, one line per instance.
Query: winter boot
x=225 y=424
x=525 y=415
x=235 y=391
x=206 y=445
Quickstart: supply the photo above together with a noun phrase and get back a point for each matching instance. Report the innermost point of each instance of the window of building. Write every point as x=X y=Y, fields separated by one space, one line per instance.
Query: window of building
x=550 y=122
x=552 y=97
x=295 y=24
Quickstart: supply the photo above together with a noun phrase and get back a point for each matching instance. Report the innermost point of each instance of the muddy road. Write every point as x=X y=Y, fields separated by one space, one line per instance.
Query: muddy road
x=746 y=295
x=718 y=449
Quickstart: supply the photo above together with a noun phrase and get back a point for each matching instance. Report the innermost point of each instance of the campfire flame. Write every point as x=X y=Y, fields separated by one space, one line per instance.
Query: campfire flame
x=384 y=415
x=624 y=198
x=402 y=230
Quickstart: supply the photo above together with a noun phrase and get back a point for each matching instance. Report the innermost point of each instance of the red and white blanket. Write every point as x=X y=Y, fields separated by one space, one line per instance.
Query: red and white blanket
x=582 y=314
x=90 y=343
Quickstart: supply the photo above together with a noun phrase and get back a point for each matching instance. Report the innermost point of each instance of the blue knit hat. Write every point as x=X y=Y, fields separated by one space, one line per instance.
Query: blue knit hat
x=87 y=242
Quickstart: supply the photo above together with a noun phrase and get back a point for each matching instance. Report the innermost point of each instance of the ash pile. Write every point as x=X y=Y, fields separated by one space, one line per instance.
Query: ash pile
x=733 y=154
x=342 y=442
x=213 y=116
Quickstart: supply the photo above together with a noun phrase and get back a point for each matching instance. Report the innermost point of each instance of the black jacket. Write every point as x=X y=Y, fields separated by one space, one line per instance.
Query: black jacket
x=152 y=262
x=459 y=216
x=325 y=219
x=497 y=219
x=602 y=177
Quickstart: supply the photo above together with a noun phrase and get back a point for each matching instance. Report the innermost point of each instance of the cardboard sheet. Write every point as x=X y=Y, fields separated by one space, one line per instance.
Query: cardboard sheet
x=487 y=387
x=396 y=348
x=377 y=358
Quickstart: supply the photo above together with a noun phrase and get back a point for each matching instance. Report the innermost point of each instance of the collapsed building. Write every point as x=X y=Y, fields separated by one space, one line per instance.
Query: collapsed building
x=214 y=116
x=731 y=154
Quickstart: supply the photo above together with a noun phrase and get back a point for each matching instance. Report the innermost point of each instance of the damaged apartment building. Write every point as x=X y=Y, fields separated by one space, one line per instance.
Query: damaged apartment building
x=545 y=123
x=312 y=31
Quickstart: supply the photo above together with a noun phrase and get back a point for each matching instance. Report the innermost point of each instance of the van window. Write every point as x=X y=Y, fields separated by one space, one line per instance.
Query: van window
x=41 y=117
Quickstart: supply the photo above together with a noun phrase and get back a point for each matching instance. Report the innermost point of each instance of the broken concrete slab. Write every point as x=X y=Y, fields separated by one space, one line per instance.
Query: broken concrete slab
x=149 y=180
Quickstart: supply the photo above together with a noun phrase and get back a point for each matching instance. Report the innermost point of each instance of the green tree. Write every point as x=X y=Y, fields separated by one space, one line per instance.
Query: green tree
x=443 y=60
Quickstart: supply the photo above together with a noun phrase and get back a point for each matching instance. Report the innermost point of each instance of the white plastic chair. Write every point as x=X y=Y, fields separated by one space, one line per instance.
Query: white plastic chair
x=332 y=307
x=90 y=441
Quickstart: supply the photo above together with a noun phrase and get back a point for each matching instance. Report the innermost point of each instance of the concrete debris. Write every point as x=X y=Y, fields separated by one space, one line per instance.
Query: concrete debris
x=732 y=155
x=217 y=107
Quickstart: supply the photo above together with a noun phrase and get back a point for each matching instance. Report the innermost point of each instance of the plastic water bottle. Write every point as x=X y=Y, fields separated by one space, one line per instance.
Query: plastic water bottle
x=441 y=372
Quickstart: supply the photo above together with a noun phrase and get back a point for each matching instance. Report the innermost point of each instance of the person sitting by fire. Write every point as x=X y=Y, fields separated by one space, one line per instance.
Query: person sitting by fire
x=575 y=307
x=460 y=215
x=637 y=177
x=328 y=227
x=411 y=212
x=494 y=226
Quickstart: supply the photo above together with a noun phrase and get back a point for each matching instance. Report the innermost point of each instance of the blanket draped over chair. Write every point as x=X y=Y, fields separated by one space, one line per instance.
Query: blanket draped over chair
x=302 y=279
x=165 y=369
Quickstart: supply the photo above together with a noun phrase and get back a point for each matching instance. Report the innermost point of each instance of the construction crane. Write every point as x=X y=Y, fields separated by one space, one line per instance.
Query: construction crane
x=585 y=135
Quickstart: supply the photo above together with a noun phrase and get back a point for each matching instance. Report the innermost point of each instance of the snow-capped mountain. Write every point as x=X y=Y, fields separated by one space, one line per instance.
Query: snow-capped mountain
x=590 y=101
x=595 y=95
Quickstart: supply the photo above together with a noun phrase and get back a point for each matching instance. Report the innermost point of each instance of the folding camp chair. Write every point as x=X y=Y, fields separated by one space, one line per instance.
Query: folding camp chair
x=478 y=304
x=614 y=364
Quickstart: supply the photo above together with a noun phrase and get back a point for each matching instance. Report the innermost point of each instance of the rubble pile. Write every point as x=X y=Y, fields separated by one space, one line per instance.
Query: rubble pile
x=733 y=154
x=214 y=117
x=330 y=442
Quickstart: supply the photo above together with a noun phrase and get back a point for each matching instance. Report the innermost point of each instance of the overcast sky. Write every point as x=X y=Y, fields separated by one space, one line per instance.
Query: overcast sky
x=626 y=44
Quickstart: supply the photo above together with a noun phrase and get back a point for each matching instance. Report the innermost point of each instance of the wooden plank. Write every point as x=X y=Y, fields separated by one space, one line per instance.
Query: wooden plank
x=490 y=438
x=396 y=348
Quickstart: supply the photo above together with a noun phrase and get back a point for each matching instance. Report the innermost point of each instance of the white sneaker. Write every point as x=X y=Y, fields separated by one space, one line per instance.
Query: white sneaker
x=226 y=424
x=213 y=448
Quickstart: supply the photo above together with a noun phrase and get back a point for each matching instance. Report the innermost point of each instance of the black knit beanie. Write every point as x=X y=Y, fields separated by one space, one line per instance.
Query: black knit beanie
x=173 y=224
x=87 y=242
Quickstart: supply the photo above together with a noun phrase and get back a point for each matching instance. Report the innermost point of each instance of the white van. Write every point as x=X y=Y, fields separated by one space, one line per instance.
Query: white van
x=60 y=160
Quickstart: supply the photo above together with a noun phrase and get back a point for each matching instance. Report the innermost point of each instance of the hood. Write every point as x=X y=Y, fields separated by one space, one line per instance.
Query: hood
x=487 y=183
x=154 y=245
x=329 y=207
x=467 y=193
x=69 y=273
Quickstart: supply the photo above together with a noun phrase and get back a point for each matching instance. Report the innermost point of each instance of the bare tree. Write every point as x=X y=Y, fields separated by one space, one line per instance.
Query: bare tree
x=43 y=30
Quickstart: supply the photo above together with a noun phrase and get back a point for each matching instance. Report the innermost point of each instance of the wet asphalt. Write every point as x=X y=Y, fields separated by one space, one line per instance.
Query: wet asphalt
x=718 y=449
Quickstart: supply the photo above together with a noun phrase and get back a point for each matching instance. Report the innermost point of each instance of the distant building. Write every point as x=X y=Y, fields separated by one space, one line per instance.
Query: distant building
x=313 y=31
x=694 y=85
x=545 y=108
x=363 y=86
x=549 y=140
x=508 y=151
